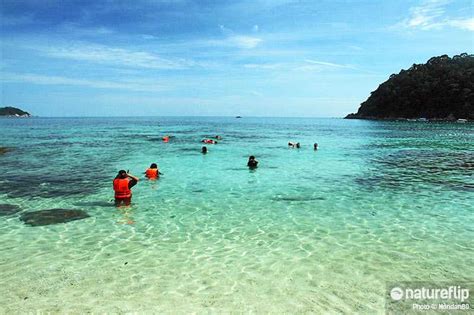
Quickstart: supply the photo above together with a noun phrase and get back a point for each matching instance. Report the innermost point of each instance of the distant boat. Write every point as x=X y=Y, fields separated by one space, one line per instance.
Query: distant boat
x=461 y=121
x=422 y=119
x=238 y=116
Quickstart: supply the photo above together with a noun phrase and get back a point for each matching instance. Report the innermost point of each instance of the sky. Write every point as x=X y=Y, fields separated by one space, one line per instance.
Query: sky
x=298 y=58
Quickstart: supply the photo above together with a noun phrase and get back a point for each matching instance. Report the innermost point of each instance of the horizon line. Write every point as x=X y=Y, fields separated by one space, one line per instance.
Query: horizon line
x=154 y=116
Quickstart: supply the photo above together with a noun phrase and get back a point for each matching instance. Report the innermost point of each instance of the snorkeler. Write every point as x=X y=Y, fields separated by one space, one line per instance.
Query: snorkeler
x=123 y=184
x=204 y=150
x=252 y=163
x=209 y=141
x=153 y=172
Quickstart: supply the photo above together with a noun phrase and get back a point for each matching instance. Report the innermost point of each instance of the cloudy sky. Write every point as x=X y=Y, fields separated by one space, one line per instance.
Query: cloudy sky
x=242 y=57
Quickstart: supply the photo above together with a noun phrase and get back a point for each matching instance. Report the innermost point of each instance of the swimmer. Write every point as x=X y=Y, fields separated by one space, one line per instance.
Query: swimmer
x=123 y=184
x=252 y=163
x=204 y=150
x=315 y=146
x=209 y=141
x=153 y=172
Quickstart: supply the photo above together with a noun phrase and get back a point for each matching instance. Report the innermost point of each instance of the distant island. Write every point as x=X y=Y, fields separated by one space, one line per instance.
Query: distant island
x=13 y=112
x=441 y=89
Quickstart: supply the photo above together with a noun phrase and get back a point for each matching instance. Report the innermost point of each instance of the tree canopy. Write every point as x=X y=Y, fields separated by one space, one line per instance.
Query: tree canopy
x=12 y=111
x=442 y=88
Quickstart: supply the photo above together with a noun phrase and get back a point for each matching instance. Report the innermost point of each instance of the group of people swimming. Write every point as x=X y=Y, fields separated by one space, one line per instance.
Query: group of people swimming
x=297 y=145
x=124 y=181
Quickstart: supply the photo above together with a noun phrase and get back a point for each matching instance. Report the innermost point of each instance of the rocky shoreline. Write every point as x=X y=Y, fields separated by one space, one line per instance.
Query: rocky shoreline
x=421 y=119
x=13 y=112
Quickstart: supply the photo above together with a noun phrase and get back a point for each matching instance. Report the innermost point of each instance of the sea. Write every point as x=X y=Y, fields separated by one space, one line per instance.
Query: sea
x=308 y=231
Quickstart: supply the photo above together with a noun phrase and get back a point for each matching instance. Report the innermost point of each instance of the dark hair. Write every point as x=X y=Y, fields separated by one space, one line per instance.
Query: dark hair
x=153 y=165
x=251 y=157
x=121 y=174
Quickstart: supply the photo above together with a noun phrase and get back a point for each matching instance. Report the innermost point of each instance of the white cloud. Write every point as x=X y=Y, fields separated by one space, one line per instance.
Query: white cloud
x=256 y=93
x=262 y=65
x=353 y=47
x=115 y=56
x=245 y=41
x=239 y=41
x=430 y=14
x=466 y=24
x=138 y=85
x=76 y=29
x=236 y=40
x=425 y=14
x=328 y=64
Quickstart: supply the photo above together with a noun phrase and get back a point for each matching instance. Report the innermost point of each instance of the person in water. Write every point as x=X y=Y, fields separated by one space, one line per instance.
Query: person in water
x=209 y=141
x=252 y=163
x=204 y=150
x=315 y=146
x=153 y=172
x=123 y=184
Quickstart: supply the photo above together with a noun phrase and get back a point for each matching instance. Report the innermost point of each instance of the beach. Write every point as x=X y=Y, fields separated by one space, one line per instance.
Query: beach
x=307 y=231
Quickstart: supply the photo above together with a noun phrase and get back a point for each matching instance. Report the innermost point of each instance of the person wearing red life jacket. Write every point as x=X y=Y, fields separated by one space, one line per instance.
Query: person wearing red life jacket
x=153 y=172
x=123 y=184
x=209 y=141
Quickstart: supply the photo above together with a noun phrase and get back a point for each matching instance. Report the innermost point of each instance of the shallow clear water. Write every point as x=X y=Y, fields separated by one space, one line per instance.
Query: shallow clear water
x=307 y=231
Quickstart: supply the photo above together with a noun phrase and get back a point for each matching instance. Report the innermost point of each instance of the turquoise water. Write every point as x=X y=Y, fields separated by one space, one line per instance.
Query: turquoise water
x=307 y=231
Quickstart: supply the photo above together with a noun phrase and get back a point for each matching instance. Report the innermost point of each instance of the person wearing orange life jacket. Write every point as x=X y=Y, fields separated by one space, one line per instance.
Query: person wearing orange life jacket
x=153 y=172
x=123 y=184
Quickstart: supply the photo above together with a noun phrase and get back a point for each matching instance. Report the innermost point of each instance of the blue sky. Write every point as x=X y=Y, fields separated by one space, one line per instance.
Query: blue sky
x=241 y=57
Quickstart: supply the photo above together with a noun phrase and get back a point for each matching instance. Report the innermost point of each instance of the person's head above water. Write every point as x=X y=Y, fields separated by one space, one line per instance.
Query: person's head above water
x=252 y=163
x=153 y=165
x=204 y=149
